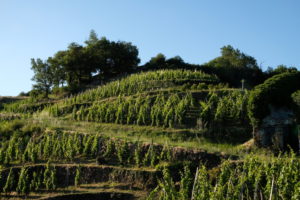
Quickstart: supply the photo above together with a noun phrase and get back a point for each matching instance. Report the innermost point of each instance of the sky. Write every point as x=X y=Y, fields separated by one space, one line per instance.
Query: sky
x=268 y=30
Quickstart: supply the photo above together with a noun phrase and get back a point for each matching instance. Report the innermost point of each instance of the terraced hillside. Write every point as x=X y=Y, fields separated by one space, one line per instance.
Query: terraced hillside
x=140 y=137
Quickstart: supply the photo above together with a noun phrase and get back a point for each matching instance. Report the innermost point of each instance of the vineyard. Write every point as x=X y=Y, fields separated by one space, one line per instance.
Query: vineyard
x=138 y=83
x=70 y=147
x=250 y=179
x=150 y=135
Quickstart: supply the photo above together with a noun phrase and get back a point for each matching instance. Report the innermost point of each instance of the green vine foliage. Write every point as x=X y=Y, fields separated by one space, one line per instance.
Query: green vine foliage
x=252 y=179
x=23 y=186
x=64 y=147
x=131 y=85
x=11 y=183
x=222 y=112
x=25 y=180
x=77 y=176
x=161 y=110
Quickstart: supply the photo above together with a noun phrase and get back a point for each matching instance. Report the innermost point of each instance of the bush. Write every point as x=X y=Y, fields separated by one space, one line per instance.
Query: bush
x=23 y=94
x=296 y=100
x=275 y=91
x=61 y=91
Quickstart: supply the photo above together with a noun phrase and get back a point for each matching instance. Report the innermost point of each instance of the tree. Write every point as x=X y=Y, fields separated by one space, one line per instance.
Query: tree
x=233 y=66
x=279 y=70
x=98 y=59
x=76 y=65
x=175 y=62
x=160 y=62
x=109 y=58
x=93 y=38
x=43 y=76
x=59 y=75
x=157 y=62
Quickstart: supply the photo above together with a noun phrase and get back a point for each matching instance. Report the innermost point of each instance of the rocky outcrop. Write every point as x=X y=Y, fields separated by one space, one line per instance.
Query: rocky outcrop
x=278 y=130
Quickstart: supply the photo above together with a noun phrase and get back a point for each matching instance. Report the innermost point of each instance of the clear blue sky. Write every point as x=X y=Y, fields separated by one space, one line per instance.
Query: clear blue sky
x=268 y=30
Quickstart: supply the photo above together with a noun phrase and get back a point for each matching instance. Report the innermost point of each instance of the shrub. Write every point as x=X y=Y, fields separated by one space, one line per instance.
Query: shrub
x=275 y=91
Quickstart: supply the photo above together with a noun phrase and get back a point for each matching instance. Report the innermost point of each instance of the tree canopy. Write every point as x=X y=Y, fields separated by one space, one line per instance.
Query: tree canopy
x=233 y=66
x=100 y=59
x=43 y=76
x=160 y=61
x=80 y=65
x=279 y=70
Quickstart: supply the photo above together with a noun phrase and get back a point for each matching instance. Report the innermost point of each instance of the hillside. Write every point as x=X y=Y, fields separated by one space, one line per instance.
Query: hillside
x=138 y=136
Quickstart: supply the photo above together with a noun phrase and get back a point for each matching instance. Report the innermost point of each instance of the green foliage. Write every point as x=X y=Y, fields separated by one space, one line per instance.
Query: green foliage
x=148 y=156
x=167 y=185
x=70 y=150
x=276 y=91
x=10 y=184
x=138 y=154
x=279 y=70
x=43 y=76
x=23 y=183
x=201 y=187
x=252 y=179
x=36 y=181
x=1 y=179
x=27 y=106
x=296 y=97
x=165 y=153
x=87 y=145
x=185 y=183
x=29 y=181
x=95 y=145
x=296 y=100
x=77 y=176
x=50 y=181
x=76 y=65
x=65 y=147
x=140 y=82
x=110 y=149
x=233 y=66
x=160 y=110
x=15 y=145
x=222 y=112
x=123 y=153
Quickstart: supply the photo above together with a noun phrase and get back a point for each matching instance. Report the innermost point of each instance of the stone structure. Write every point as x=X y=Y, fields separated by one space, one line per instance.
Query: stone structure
x=278 y=130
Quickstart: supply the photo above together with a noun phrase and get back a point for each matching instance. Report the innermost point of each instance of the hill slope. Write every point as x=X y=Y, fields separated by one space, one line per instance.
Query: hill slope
x=120 y=139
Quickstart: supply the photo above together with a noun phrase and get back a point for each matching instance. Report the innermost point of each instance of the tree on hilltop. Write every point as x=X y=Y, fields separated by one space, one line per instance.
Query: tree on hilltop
x=233 y=66
x=43 y=76
x=80 y=65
